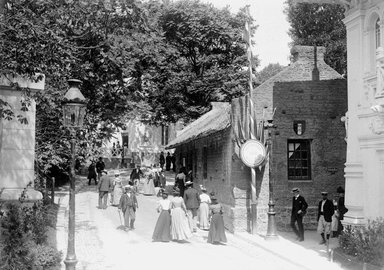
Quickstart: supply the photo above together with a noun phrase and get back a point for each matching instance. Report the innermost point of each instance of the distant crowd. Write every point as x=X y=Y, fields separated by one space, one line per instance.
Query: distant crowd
x=179 y=217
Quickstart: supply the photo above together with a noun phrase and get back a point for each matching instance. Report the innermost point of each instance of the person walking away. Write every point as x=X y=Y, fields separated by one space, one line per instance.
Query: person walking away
x=173 y=161
x=168 y=162
x=299 y=208
x=192 y=203
x=104 y=187
x=324 y=217
x=117 y=189
x=216 y=230
x=180 y=181
x=162 y=230
x=162 y=160
x=92 y=175
x=179 y=223
x=100 y=166
x=205 y=201
x=163 y=180
x=128 y=205
x=342 y=210
x=135 y=178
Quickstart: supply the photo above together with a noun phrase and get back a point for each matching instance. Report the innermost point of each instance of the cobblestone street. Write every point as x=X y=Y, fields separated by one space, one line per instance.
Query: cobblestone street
x=101 y=244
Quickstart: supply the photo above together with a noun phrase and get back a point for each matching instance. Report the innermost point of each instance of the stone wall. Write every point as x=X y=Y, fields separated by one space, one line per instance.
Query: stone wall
x=320 y=104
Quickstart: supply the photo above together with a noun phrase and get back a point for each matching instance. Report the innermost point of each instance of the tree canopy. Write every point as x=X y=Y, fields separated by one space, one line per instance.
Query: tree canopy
x=157 y=61
x=321 y=25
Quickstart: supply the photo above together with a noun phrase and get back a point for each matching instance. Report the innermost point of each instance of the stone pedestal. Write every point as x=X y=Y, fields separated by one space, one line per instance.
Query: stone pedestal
x=17 y=141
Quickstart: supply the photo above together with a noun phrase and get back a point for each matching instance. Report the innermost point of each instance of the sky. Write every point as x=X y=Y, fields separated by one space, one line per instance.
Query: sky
x=271 y=37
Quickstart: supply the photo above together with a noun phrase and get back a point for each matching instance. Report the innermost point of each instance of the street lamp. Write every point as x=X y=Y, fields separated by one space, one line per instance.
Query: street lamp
x=271 y=229
x=73 y=111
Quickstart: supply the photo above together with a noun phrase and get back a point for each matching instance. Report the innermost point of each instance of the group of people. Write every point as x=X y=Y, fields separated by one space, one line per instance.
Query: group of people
x=178 y=217
x=329 y=215
x=168 y=161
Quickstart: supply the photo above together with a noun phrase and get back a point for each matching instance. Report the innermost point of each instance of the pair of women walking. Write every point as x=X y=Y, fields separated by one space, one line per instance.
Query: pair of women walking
x=172 y=223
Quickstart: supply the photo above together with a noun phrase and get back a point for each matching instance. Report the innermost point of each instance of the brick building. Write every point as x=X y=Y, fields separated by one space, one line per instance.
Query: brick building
x=308 y=99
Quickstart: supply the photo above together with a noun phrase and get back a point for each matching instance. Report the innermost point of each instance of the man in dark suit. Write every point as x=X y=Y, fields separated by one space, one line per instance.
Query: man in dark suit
x=192 y=203
x=299 y=208
x=135 y=178
x=326 y=210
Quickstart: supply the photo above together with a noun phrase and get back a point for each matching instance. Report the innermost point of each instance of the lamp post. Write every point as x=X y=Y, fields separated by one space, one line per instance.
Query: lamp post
x=271 y=229
x=73 y=111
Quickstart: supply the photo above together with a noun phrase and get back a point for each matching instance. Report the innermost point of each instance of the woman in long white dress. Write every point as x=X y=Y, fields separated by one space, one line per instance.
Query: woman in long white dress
x=117 y=189
x=205 y=201
x=179 y=222
x=149 y=187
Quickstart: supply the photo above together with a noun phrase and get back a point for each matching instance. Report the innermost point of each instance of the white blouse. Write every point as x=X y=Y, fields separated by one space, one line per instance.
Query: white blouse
x=164 y=205
x=204 y=198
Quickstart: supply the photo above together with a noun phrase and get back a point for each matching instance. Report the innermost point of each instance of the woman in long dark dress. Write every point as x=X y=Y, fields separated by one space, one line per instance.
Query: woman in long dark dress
x=162 y=230
x=216 y=230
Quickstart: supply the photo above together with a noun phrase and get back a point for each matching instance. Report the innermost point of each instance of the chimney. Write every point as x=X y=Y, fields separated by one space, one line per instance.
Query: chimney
x=315 y=71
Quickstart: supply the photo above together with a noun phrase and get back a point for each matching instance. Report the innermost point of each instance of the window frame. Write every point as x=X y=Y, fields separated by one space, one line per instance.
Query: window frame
x=377 y=33
x=299 y=160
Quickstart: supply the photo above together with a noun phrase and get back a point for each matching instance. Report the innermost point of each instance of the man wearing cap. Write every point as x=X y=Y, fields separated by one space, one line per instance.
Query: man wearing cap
x=192 y=203
x=299 y=208
x=324 y=217
x=128 y=205
x=104 y=186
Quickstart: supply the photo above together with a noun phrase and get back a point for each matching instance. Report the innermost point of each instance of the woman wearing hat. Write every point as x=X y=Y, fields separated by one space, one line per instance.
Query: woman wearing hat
x=162 y=230
x=216 y=230
x=117 y=189
x=179 y=224
x=205 y=201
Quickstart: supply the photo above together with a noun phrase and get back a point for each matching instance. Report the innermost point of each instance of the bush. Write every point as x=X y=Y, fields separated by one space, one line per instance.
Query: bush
x=45 y=256
x=365 y=243
x=24 y=238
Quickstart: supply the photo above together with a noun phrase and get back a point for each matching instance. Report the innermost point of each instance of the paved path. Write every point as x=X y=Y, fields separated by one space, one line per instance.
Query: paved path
x=101 y=244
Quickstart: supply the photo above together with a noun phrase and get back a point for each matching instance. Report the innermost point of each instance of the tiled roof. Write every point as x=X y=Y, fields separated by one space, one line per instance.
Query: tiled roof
x=215 y=120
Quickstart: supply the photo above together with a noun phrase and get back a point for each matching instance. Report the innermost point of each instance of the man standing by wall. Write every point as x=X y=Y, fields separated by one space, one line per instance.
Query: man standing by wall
x=299 y=208
x=324 y=217
x=104 y=186
x=192 y=203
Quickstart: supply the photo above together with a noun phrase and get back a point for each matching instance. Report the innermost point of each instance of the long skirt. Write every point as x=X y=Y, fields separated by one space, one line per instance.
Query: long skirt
x=217 y=230
x=162 y=230
x=179 y=225
x=203 y=216
x=149 y=187
x=117 y=193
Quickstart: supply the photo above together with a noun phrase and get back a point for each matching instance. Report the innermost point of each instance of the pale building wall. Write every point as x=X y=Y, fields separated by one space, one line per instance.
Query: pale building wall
x=365 y=150
x=17 y=142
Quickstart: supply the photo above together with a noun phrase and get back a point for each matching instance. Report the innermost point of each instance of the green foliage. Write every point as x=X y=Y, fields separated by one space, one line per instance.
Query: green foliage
x=268 y=72
x=24 y=238
x=46 y=256
x=156 y=61
x=366 y=243
x=15 y=253
x=321 y=25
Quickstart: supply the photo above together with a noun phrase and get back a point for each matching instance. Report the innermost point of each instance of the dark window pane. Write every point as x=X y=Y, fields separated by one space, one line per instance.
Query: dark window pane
x=291 y=172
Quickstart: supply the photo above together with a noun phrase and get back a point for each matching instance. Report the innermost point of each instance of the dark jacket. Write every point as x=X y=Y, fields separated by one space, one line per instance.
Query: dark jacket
x=135 y=174
x=105 y=184
x=328 y=210
x=341 y=207
x=191 y=198
x=100 y=165
x=299 y=204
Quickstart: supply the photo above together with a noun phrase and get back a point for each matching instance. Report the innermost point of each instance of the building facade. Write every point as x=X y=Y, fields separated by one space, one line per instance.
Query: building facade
x=311 y=157
x=17 y=141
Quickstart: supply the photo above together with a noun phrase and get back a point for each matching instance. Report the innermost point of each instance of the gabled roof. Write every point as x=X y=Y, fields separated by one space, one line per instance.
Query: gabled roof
x=215 y=120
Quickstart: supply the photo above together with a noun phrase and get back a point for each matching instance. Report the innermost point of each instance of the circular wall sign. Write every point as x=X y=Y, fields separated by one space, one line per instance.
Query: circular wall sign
x=253 y=153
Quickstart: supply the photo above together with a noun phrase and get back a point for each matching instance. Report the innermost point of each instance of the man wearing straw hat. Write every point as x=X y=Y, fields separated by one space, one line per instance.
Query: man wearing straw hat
x=128 y=205
x=324 y=217
x=104 y=186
